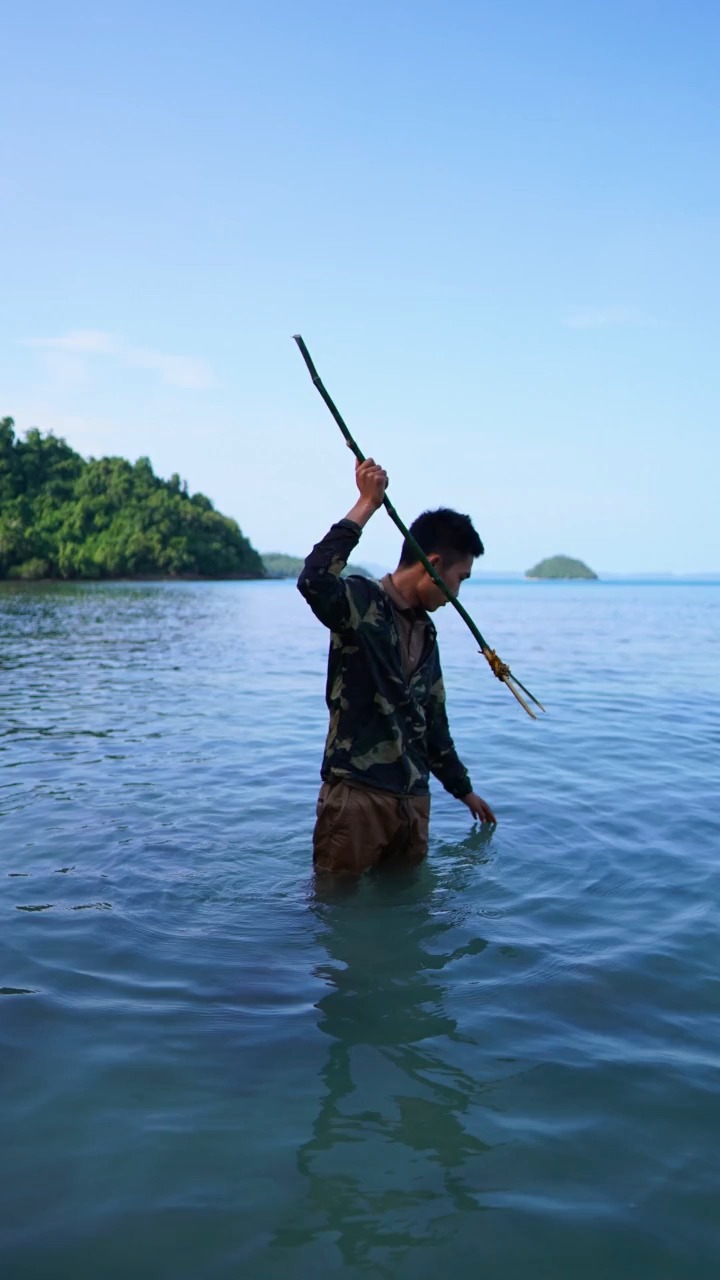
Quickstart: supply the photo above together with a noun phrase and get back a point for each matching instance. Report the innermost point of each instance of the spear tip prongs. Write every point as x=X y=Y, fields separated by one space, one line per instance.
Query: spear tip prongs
x=503 y=673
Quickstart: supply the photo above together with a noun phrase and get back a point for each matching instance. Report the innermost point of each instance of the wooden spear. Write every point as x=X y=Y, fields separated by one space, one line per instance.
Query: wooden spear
x=497 y=666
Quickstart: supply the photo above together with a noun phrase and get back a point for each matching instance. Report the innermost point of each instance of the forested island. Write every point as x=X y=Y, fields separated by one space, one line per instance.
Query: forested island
x=64 y=516
x=561 y=567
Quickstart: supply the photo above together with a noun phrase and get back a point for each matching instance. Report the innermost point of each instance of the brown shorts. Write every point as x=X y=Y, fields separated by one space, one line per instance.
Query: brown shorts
x=357 y=828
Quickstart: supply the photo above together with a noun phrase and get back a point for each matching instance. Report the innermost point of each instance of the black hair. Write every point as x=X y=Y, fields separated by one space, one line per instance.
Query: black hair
x=443 y=532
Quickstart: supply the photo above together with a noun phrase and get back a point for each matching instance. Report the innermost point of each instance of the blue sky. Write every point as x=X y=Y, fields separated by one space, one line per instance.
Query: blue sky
x=495 y=226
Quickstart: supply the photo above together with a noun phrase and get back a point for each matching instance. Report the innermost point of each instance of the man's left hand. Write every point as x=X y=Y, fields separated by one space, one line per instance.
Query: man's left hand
x=478 y=808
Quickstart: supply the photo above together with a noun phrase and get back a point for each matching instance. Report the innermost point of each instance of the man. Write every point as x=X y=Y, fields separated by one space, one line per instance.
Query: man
x=388 y=725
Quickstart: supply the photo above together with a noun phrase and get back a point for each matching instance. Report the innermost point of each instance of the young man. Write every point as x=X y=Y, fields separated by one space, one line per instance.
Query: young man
x=385 y=693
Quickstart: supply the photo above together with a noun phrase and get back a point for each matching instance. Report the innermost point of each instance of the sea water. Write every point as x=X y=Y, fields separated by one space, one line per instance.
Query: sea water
x=504 y=1065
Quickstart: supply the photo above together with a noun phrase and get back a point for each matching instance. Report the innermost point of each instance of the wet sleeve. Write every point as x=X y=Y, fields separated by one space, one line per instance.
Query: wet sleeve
x=330 y=596
x=442 y=757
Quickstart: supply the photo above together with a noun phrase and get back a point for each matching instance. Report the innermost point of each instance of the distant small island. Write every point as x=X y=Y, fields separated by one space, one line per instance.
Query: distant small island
x=65 y=516
x=279 y=565
x=561 y=567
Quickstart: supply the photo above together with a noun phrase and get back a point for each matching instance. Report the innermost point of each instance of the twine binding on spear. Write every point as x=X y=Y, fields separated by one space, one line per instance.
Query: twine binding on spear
x=497 y=666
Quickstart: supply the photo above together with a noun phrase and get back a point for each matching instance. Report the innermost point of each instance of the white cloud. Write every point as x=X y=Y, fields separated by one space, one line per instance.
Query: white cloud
x=608 y=318
x=68 y=358
x=80 y=342
x=176 y=371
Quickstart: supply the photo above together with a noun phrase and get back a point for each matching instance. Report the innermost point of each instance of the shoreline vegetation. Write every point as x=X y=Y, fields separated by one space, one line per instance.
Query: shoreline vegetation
x=67 y=518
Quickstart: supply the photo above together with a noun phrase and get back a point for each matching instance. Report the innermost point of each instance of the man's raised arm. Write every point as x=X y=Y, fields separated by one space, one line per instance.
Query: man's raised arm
x=320 y=583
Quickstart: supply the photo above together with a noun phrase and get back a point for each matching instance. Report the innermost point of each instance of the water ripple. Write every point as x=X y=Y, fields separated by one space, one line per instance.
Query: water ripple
x=506 y=1061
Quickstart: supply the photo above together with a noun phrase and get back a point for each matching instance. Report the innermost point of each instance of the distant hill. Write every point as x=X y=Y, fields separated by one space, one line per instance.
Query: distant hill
x=561 y=567
x=64 y=516
x=279 y=565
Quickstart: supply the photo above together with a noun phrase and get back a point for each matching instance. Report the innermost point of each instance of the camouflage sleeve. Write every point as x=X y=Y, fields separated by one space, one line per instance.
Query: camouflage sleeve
x=329 y=595
x=442 y=757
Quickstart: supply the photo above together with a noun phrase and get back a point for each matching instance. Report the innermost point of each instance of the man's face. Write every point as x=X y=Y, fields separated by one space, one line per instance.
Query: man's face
x=453 y=572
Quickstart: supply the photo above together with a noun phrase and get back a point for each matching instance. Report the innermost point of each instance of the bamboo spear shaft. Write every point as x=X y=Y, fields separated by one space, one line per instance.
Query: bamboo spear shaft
x=498 y=668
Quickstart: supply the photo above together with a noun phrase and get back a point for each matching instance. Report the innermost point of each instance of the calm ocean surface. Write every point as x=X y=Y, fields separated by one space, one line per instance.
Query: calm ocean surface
x=506 y=1066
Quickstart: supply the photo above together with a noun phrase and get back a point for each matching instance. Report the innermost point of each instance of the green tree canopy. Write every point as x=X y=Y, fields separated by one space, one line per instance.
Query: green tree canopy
x=62 y=516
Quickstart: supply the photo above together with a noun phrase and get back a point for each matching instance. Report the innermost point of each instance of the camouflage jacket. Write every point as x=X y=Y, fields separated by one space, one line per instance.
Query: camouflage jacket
x=386 y=730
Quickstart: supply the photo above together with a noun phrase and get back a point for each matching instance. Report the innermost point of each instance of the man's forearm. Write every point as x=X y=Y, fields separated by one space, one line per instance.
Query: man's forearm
x=361 y=512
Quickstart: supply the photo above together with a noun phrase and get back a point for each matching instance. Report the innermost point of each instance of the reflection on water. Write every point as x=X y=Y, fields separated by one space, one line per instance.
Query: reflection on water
x=396 y=1146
